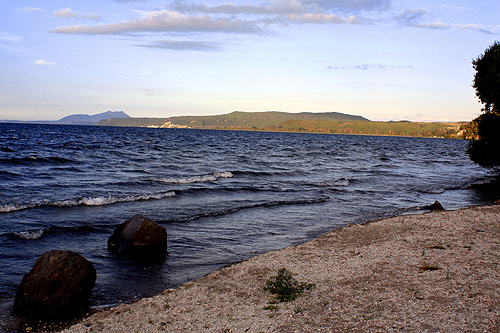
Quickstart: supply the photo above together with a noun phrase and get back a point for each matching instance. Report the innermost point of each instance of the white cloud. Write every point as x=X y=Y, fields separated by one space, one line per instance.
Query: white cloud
x=164 y=21
x=66 y=13
x=46 y=63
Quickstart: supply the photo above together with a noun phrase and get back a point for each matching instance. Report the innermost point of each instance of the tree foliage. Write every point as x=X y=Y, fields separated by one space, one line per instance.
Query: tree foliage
x=485 y=149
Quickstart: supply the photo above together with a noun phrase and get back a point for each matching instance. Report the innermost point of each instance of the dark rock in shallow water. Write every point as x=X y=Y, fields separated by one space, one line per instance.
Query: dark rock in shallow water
x=57 y=287
x=140 y=237
x=435 y=206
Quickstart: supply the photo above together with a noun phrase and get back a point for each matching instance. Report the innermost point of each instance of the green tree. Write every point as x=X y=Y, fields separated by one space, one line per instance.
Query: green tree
x=485 y=148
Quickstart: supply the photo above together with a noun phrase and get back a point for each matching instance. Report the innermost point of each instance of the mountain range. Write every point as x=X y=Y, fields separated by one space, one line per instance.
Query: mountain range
x=77 y=119
x=85 y=119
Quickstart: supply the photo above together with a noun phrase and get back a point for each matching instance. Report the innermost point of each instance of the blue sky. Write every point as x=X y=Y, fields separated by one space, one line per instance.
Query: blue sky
x=382 y=59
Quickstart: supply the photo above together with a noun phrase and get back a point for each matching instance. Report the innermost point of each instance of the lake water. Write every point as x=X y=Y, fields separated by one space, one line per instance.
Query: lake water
x=223 y=196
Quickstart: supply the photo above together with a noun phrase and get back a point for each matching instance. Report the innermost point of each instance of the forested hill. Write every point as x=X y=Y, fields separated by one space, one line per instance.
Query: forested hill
x=237 y=119
x=311 y=122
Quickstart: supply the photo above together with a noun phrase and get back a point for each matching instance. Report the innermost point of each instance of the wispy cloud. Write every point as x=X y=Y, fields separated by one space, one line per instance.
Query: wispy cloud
x=45 y=63
x=5 y=36
x=25 y=10
x=183 y=45
x=323 y=19
x=349 y=5
x=434 y=25
x=411 y=16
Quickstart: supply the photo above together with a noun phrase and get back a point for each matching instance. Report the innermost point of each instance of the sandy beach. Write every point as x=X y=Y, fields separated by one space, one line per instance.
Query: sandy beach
x=433 y=272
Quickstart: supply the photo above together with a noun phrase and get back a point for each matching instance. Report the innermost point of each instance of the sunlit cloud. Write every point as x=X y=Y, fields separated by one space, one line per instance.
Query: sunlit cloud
x=183 y=45
x=164 y=21
x=45 y=63
x=66 y=13
x=435 y=25
x=189 y=17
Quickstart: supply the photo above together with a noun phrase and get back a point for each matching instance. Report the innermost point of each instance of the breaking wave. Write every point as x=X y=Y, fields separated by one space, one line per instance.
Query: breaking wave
x=196 y=179
x=87 y=201
x=29 y=234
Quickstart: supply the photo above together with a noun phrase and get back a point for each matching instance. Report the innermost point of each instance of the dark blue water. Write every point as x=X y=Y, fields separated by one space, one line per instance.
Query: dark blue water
x=223 y=196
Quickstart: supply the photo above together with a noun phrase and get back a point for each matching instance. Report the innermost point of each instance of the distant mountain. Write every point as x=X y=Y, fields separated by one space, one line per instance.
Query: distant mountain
x=85 y=119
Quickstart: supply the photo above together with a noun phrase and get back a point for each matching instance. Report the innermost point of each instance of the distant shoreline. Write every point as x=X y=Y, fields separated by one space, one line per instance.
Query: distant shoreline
x=454 y=130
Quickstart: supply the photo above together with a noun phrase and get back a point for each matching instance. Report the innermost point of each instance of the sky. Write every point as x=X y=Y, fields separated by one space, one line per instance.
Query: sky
x=381 y=59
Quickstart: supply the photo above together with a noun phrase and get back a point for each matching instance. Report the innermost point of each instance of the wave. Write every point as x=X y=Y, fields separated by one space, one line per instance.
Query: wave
x=38 y=233
x=251 y=206
x=196 y=179
x=29 y=234
x=87 y=201
x=341 y=182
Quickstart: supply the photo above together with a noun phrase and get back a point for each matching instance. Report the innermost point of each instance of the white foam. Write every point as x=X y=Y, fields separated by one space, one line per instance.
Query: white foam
x=342 y=182
x=29 y=234
x=101 y=201
x=88 y=201
x=198 y=179
x=13 y=208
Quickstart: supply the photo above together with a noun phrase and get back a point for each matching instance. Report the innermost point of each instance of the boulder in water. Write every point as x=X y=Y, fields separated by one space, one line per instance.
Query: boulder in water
x=57 y=287
x=139 y=236
x=435 y=206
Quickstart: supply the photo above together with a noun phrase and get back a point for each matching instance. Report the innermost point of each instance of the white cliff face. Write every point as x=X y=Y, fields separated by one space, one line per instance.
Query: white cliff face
x=168 y=124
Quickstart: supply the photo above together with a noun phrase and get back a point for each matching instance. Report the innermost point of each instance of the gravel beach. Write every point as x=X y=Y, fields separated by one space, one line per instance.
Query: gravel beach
x=432 y=272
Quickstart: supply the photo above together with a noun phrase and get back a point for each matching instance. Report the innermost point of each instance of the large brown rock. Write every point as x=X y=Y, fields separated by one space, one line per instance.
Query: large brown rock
x=435 y=206
x=139 y=236
x=58 y=286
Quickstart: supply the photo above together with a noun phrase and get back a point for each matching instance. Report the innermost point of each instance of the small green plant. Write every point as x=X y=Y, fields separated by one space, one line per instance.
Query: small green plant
x=285 y=287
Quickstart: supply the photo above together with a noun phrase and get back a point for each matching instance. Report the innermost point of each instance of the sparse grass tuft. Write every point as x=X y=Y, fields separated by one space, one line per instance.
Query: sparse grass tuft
x=285 y=287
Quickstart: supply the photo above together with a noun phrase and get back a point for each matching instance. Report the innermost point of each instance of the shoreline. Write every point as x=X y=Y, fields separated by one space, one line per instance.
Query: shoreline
x=431 y=272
